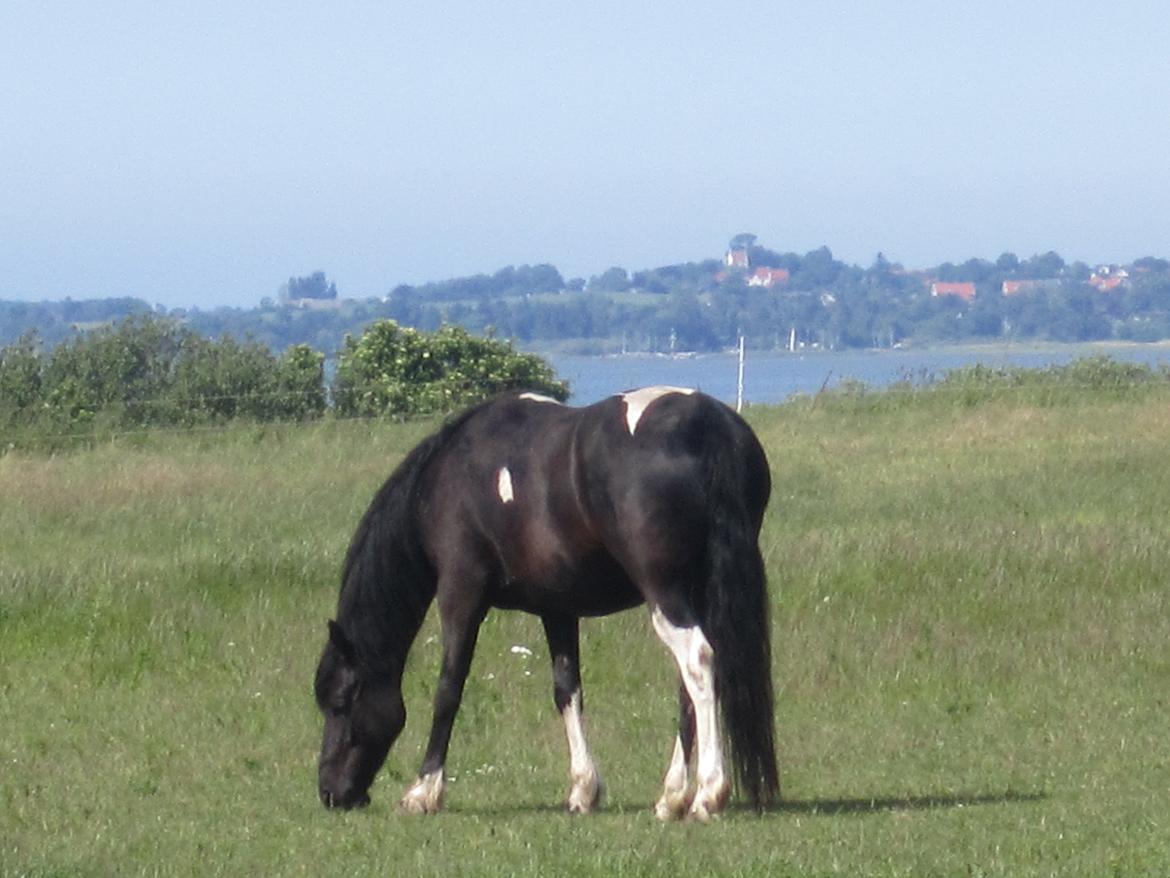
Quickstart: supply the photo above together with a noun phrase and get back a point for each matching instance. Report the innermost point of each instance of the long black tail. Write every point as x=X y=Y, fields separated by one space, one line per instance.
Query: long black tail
x=735 y=607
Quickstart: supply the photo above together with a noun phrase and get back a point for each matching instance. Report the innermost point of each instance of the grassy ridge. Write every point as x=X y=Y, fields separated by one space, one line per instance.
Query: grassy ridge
x=971 y=658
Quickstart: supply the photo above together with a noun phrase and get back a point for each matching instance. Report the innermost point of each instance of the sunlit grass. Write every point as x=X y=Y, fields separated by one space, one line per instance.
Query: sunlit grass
x=970 y=622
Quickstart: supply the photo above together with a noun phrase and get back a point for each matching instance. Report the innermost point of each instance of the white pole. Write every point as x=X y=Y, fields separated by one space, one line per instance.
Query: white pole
x=739 y=382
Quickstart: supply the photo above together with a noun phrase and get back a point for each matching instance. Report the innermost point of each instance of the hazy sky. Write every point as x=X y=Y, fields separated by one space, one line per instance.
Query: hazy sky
x=200 y=153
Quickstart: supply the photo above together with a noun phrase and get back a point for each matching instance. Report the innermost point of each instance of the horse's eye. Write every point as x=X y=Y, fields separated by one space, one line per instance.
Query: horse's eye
x=345 y=699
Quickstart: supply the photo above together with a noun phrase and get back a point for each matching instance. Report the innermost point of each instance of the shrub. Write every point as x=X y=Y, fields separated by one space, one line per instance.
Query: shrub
x=147 y=372
x=399 y=371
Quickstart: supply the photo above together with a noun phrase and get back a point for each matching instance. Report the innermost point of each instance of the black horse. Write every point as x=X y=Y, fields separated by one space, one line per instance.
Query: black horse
x=652 y=496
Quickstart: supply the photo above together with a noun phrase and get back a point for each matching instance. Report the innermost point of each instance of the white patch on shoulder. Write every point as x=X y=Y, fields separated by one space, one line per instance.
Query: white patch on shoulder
x=504 y=485
x=638 y=400
x=537 y=397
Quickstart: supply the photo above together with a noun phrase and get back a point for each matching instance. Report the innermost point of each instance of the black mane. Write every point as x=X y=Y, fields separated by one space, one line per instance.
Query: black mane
x=387 y=582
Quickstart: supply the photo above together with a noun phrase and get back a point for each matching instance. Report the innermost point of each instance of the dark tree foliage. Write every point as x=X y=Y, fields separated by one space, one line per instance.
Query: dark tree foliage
x=508 y=281
x=313 y=286
x=700 y=305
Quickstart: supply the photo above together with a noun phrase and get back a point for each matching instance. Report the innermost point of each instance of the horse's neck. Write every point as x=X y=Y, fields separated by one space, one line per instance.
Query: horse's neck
x=384 y=617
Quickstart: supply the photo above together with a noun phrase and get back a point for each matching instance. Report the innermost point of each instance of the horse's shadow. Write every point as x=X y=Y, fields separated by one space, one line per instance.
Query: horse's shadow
x=810 y=807
x=874 y=805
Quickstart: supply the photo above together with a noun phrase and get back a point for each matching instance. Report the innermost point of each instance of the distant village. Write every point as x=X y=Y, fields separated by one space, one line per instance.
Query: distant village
x=777 y=299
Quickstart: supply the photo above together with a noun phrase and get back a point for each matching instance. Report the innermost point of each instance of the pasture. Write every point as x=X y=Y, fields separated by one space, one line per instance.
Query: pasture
x=971 y=636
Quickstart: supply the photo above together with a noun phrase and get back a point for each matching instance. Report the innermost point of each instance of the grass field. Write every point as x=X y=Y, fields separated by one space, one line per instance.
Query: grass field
x=971 y=636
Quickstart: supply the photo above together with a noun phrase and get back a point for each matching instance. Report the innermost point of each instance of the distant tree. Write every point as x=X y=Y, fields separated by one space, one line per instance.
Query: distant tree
x=817 y=268
x=977 y=271
x=742 y=241
x=1007 y=263
x=313 y=286
x=1152 y=264
x=1042 y=266
x=649 y=282
x=612 y=280
x=683 y=316
x=543 y=278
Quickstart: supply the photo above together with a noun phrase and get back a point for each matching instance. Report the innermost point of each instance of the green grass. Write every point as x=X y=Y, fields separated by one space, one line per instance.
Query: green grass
x=971 y=638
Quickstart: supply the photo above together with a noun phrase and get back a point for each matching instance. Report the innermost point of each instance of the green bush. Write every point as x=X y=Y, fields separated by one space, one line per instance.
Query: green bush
x=146 y=372
x=20 y=379
x=399 y=371
x=217 y=381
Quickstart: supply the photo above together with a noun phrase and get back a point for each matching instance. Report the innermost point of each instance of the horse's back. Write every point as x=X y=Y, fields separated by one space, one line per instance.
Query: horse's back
x=652 y=460
x=593 y=502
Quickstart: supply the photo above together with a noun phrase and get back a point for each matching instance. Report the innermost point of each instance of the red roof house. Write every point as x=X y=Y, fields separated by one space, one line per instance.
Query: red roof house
x=965 y=291
x=737 y=258
x=1106 y=282
x=768 y=277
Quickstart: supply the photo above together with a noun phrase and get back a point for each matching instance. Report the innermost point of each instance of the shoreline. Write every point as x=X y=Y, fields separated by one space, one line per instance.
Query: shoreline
x=969 y=349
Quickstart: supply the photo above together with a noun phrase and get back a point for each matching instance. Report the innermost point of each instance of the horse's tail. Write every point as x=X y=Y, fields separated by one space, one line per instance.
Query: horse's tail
x=735 y=606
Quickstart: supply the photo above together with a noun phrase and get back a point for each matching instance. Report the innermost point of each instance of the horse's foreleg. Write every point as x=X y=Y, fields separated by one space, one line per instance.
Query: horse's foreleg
x=564 y=650
x=460 y=628
x=695 y=660
x=676 y=792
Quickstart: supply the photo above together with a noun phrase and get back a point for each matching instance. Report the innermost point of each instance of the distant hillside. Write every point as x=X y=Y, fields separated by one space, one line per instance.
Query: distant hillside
x=775 y=298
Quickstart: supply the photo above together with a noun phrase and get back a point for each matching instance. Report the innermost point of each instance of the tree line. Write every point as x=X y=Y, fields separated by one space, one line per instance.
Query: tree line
x=147 y=372
x=702 y=306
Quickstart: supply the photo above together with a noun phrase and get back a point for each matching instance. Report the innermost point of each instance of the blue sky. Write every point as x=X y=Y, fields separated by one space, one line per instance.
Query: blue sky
x=198 y=154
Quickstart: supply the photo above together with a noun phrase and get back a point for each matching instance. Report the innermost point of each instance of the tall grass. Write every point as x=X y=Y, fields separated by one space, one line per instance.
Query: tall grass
x=970 y=641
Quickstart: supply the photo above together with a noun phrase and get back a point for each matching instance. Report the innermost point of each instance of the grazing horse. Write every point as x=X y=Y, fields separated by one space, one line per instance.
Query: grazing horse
x=653 y=496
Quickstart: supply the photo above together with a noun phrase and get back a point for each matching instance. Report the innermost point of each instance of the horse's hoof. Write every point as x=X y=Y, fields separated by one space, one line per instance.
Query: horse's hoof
x=584 y=798
x=709 y=804
x=672 y=807
x=701 y=815
x=410 y=805
x=424 y=797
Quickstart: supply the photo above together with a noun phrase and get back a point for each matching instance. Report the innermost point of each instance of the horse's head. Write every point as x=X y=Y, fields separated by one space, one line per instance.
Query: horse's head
x=364 y=714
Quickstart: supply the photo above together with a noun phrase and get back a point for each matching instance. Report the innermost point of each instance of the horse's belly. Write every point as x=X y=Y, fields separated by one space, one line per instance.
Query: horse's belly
x=595 y=586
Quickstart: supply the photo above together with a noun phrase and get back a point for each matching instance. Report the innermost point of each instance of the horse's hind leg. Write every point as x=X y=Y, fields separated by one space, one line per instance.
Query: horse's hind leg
x=695 y=658
x=677 y=794
x=460 y=617
x=564 y=650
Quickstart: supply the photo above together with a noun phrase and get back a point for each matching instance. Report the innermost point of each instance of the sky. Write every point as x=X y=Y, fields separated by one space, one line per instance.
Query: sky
x=198 y=154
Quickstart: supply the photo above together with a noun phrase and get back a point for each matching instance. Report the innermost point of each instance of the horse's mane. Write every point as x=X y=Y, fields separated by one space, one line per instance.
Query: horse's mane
x=387 y=582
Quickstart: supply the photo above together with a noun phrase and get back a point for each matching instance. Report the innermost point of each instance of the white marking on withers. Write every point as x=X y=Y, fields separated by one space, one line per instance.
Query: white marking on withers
x=504 y=485
x=425 y=795
x=539 y=397
x=638 y=400
x=696 y=660
x=585 y=793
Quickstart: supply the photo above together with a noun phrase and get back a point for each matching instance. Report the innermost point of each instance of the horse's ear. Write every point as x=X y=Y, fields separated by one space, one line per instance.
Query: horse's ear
x=341 y=641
